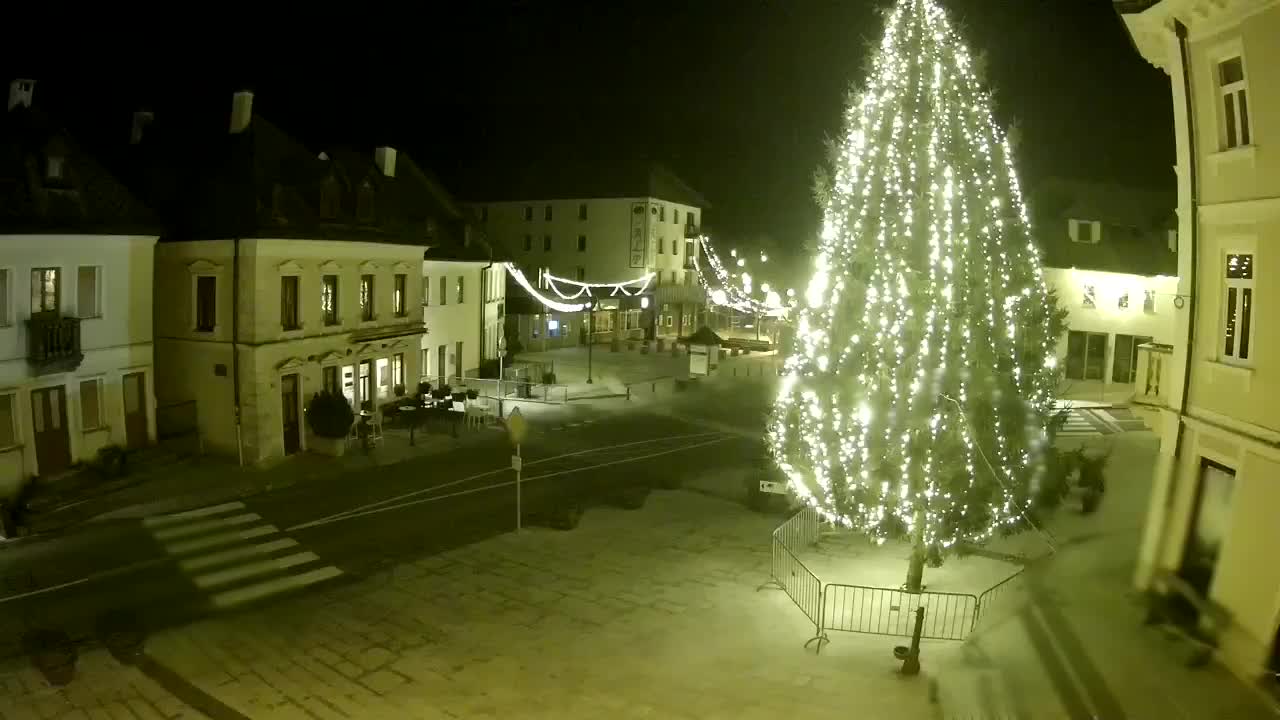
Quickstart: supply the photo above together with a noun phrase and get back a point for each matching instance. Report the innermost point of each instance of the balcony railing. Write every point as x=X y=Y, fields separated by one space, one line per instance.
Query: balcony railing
x=1152 y=384
x=53 y=343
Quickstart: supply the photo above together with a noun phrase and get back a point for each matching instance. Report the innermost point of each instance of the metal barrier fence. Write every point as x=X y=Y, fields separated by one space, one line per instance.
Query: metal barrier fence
x=882 y=611
x=872 y=610
x=514 y=389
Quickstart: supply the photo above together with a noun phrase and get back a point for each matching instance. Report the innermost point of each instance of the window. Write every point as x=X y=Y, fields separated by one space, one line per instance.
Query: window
x=383 y=367
x=329 y=299
x=444 y=289
x=461 y=289
x=4 y=298
x=399 y=301
x=675 y=247
x=88 y=292
x=1149 y=301
x=46 y=289
x=397 y=370
x=546 y=213
x=1235 y=103
x=426 y=291
x=528 y=212
x=662 y=246
x=53 y=167
x=364 y=203
x=91 y=404
x=675 y=216
x=582 y=274
x=528 y=243
x=546 y=243
x=1238 y=315
x=289 y=302
x=582 y=243
x=690 y=220
x=366 y=298
x=582 y=211
x=1123 y=302
x=1090 y=296
x=537 y=324
x=457 y=359
x=662 y=213
x=1085 y=231
x=1086 y=355
x=329 y=379
x=206 y=303
x=673 y=278
x=8 y=416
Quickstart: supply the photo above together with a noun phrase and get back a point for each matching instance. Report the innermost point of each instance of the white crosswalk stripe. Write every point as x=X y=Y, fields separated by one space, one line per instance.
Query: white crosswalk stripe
x=234 y=555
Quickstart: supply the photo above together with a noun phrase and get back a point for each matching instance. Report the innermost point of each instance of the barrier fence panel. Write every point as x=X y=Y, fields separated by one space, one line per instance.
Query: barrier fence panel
x=882 y=611
x=791 y=575
x=513 y=389
x=1004 y=595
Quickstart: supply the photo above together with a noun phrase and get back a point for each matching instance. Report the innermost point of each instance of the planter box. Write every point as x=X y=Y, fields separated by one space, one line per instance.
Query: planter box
x=333 y=447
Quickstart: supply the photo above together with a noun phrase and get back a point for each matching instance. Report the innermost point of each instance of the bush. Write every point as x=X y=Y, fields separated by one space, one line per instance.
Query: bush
x=330 y=415
x=111 y=461
x=398 y=390
x=424 y=388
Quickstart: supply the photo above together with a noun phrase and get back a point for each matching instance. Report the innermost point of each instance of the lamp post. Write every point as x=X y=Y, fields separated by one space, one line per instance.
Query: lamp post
x=502 y=353
x=591 y=332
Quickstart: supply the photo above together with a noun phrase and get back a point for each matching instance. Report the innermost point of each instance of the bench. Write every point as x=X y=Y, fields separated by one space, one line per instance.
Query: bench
x=1201 y=632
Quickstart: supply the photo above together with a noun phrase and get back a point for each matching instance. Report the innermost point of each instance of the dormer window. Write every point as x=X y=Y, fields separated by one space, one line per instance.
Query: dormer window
x=53 y=167
x=364 y=203
x=1088 y=232
x=329 y=199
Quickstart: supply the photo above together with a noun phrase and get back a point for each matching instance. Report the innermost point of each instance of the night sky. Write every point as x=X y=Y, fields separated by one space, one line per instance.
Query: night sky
x=736 y=96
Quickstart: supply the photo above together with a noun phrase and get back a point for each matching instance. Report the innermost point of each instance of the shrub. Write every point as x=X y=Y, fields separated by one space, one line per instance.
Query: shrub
x=330 y=415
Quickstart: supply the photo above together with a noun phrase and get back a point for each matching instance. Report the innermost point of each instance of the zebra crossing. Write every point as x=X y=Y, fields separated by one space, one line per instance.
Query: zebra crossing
x=1096 y=421
x=235 y=557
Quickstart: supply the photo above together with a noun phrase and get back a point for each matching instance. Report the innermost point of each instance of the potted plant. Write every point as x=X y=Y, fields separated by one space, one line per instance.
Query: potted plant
x=330 y=417
x=398 y=390
x=53 y=654
x=111 y=462
x=472 y=394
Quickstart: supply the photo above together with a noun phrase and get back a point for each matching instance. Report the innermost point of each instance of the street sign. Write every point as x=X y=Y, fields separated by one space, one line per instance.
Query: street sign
x=516 y=463
x=517 y=427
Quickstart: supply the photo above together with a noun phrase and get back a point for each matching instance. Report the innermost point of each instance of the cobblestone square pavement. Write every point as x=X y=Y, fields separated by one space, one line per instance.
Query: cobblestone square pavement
x=649 y=613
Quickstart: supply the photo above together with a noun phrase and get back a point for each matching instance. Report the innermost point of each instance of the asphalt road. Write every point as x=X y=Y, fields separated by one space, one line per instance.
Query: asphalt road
x=170 y=570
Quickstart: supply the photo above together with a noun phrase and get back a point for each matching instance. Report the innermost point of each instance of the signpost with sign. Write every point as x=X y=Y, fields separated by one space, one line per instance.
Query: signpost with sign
x=517 y=428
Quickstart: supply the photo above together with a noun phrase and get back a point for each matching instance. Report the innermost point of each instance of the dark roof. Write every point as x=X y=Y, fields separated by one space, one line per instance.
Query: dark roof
x=599 y=176
x=704 y=336
x=86 y=199
x=1126 y=7
x=1135 y=226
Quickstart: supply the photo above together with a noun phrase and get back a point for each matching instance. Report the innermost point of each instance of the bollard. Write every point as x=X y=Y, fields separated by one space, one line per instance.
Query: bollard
x=628 y=392
x=910 y=656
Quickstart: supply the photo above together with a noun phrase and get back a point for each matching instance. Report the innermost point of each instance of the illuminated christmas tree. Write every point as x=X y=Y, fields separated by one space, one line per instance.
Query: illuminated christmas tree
x=916 y=403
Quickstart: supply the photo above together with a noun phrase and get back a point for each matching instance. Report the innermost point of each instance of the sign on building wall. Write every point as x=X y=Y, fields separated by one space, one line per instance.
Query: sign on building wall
x=639 y=236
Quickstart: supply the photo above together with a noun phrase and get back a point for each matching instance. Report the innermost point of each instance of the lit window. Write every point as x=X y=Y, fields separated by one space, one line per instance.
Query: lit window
x=461 y=290
x=366 y=298
x=1237 y=324
x=53 y=167
x=329 y=299
x=1090 y=296
x=399 y=295
x=46 y=289
x=1235 y=103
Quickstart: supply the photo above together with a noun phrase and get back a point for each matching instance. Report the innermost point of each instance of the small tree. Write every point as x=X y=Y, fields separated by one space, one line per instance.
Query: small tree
x=330 y=415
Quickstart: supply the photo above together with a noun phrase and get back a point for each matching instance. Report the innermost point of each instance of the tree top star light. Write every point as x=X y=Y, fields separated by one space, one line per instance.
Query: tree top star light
x=916 y=401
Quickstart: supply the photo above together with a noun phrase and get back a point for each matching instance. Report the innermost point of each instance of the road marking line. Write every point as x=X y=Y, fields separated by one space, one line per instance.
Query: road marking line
x=44 y=590
x=213 y=541
x=161 y=520
x=352 y=515
x=496 y=471
x=198 y=527
x=248 y=570
x=224 y=556
x=232 y=598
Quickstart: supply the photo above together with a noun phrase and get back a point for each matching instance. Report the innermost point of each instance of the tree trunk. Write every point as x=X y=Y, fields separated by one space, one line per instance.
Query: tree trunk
x=915 y=570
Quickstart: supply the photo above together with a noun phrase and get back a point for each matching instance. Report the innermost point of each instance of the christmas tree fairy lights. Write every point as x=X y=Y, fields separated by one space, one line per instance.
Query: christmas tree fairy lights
x=735 y=289
x=916 y=399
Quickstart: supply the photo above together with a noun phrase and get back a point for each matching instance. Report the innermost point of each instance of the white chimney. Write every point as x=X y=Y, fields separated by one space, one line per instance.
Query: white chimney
x=20 y=91
x=141 y=119
x=385 y=159
x=241 y=111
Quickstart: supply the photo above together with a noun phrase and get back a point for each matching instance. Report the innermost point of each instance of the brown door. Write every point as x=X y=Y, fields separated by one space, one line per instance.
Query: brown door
x=135 y=410
x=289 y=413
x=49 y=424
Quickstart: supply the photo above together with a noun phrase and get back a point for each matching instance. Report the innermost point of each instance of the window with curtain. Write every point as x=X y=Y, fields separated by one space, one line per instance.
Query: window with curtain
x=329 y=299
x=398 y=300
x=366 y=297
x=46 y=289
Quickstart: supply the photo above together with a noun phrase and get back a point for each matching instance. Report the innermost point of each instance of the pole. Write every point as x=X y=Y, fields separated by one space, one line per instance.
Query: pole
x=519 y=467
x=591 y=331
x=502 y=351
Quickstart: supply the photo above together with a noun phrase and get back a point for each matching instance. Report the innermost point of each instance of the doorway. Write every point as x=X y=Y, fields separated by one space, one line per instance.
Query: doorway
x=1208 y=525
x=49 y=425
x=1124 y=367
x=135 y=410
x=349 y=385
x=364 y=393
x=289 y=413
x=1086 y=355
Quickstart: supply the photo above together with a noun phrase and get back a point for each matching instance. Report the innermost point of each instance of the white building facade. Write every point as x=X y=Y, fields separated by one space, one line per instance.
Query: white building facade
x=1212 y=519
x=76 y=359
x=462 y=308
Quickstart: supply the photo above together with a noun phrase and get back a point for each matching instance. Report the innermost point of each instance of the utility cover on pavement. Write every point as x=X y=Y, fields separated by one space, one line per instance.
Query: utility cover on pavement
x=517 y=427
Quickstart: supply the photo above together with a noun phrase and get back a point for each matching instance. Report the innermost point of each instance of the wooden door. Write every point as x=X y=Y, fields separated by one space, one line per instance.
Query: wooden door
x=289 y=413
x=135 y=410
x=49 y=426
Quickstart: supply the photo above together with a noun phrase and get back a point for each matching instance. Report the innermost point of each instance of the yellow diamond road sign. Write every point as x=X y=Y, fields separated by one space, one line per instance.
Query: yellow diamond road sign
x=517 y=427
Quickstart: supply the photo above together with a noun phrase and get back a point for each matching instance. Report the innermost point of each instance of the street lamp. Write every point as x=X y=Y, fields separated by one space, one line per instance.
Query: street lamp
x=502 y=353
x=591 y=332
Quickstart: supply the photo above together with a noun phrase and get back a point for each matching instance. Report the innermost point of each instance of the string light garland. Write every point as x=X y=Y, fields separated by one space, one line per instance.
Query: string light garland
x=916 y=401
x=734 y=289
x=523 y=282
x=626 y=288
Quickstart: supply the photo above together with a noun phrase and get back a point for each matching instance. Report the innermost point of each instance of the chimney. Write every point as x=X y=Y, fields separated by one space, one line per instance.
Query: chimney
x=20 y=93
x=385 y=159
x=241 y=111
x=141 y=119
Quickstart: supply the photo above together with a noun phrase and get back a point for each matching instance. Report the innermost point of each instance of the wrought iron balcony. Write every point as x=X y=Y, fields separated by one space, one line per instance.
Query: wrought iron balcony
x=53 y=343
